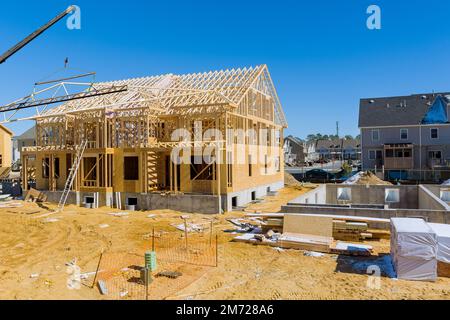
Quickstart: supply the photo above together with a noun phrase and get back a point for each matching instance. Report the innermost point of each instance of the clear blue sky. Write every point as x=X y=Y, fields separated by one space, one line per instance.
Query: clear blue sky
x=321 y=56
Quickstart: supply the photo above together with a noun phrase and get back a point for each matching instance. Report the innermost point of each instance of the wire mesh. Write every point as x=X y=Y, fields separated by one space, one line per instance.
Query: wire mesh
x=189 y=259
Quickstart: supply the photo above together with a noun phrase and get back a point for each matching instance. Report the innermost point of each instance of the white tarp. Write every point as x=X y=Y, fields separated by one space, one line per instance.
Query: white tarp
x=413 y=249
x=443 y=239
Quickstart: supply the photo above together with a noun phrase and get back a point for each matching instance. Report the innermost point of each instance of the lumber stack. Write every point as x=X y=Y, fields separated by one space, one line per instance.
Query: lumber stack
x=345 y=228
x=350 y=231
x=305 y=242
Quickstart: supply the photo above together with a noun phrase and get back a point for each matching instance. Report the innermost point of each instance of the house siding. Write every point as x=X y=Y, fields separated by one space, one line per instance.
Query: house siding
x=417 y=135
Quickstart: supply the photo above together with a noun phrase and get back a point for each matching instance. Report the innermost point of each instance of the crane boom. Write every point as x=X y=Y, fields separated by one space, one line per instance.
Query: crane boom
x=35 y=34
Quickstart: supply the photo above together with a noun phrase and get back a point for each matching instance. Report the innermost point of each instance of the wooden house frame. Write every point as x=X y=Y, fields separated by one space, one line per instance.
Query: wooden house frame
x=129 y=135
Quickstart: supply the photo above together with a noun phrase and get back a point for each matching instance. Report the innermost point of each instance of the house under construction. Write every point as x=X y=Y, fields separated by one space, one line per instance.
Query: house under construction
x=119 y=147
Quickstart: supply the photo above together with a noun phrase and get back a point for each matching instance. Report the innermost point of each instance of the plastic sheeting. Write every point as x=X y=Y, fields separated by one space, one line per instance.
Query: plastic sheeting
x=443 y=241
x=437 y=113
x=413 y=249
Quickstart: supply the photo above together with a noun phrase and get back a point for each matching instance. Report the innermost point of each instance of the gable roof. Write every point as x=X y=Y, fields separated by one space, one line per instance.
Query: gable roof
x=169 y=92
x=27 y=135
x=294 y=140
x=329 y=144
x=397 y=111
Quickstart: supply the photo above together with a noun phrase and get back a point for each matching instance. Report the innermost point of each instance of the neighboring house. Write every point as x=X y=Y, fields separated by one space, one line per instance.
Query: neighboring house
x=406 y=132
x=338 y=149
x=5 y=147
x=26 y=139
x=310 y=151
x=351 y=149
x=329 y=149
x=294 y=153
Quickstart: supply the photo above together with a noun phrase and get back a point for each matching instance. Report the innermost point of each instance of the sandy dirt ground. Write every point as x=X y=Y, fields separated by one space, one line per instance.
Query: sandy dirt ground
x=34 y=251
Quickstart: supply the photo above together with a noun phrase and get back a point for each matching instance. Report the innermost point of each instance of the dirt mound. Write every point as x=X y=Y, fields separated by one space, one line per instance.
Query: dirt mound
x=290 y=181
x=367 y=177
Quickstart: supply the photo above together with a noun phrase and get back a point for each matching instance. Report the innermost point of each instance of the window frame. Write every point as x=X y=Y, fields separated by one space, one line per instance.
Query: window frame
x=378 y=134
x=407 y=134
x=134 y=177
x=431 y=133
x=434 y=152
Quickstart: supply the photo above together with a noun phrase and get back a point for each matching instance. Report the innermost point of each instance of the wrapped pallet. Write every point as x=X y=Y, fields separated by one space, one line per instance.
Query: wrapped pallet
x=443 y=248
x=413 y=249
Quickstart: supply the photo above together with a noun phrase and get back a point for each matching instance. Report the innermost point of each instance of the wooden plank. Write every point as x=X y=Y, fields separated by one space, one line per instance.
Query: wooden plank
x=335 y=217
x=312 y=225
x=305 y=242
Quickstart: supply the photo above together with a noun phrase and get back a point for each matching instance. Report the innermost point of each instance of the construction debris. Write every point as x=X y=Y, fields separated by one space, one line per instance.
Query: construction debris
x=119 y=214
x=34 y=195
x=313 y=254
x=191 y=227
x=102 y=287
x=10 y=204
x=169 y=274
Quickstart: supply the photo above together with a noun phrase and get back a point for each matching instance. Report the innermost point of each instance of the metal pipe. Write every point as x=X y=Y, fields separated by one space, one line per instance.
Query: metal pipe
x=64 y=79
x=35 y=34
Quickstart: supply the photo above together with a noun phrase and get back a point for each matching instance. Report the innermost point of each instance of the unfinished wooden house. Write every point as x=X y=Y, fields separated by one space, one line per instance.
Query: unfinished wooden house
x=120 y=146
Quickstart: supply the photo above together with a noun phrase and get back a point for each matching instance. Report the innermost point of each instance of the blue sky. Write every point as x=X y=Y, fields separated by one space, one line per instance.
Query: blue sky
x=321 y=56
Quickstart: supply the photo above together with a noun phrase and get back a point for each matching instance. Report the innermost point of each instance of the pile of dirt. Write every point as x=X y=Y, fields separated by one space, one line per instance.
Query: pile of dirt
x=366 y=178
x=290 y=181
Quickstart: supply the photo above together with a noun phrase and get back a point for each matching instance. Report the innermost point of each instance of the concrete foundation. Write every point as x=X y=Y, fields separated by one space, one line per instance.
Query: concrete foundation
x=185 y=202
x=420 y=201
x=244 y=197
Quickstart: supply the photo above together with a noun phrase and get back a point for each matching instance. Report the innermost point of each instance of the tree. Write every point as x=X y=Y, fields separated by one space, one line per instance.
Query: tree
x=348 y=137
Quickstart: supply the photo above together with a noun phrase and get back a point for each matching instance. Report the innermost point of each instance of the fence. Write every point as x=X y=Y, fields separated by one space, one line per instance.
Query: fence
x=188 y=258
x=415 y=176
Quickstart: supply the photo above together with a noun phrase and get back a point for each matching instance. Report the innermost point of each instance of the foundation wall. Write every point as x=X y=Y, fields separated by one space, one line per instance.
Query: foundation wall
x=369 y=201
x=245 y=196
x=151 y=201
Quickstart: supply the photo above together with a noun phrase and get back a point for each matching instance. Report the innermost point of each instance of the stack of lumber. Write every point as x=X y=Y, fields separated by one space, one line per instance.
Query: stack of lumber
x=350 y=231
x=346 y=228
x=305 y=242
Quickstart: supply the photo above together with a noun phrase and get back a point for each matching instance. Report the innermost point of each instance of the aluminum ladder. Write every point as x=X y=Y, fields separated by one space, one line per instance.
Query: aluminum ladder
x=72 y=174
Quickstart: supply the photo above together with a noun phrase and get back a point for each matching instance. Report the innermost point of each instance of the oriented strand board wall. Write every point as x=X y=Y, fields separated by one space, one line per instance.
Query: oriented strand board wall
x=5 y=147
x=319 y=226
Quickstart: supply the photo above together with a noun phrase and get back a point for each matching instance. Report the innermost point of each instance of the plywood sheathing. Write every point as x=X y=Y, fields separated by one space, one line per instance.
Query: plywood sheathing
x=318 y=226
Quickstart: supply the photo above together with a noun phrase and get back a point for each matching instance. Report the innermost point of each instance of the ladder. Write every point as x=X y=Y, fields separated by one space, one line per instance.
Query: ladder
x=72 y=174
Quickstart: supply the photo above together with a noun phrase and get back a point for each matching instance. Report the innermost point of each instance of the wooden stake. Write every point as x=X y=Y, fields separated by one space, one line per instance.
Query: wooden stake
x=185 y=234
x=98 y=266
x=153 y=239
x=217 y=251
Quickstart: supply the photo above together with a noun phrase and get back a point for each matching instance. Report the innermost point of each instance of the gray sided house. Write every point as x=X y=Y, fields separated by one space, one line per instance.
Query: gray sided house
x=338 y=149
x=405 y=135
x=294 y=153
x=26 y=139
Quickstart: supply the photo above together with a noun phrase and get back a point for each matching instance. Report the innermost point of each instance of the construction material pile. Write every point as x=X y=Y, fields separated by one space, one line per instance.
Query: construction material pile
x=420 y=250
x=366 y=178
x=319 y=233
x=344 y=228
